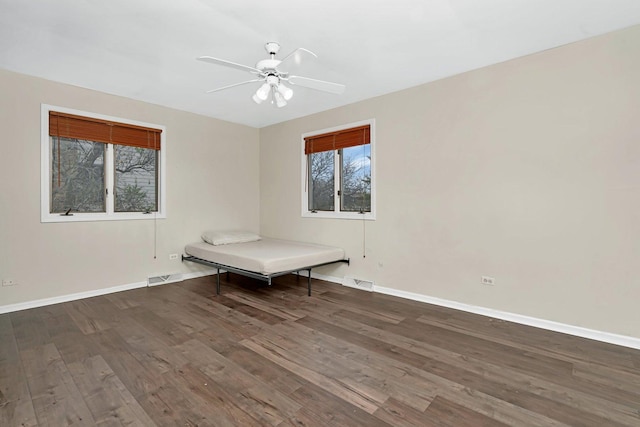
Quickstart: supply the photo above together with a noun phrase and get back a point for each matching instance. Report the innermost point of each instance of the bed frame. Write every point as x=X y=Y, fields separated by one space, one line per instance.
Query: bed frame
x=254 y=275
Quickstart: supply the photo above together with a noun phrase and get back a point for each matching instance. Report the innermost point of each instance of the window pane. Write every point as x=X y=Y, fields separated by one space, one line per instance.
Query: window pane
x=355 y=188
x=321 y=181
x=77 y=180
x=136 y=172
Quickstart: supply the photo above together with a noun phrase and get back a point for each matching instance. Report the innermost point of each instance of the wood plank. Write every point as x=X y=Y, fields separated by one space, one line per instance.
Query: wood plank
x=29 y=330
x=240 y=323
x=208 y=399
x=168 y=406
x=385 y=316
x=124 y=300
x=267 y=371
x=57 y=321
x=86 y=318
x=319 y=407
x=448 y=413
x=15 y=399
x=511 y=356
x=55 y=396
x=106 y=396
x=397 y=413
x=369 y=373
x=548 y=347
x=277 y=311
x=609 y=377
x=139 y=378
x=262 y=401
x=240 y=307
x=559 y=345
x=329 y=384
x=167 y=331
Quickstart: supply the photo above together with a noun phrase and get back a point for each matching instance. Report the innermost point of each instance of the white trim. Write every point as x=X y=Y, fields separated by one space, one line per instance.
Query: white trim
x=304 y=199
x=98 y=292
x=46 y=216
x=196 y=274
x=623 y=340
x=70 y=297
x=331 y=279
x=606 y=337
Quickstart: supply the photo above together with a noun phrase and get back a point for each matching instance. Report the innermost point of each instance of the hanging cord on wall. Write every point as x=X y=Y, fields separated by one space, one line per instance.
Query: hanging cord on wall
x=59 y=162
x=364 y=238
x=362 y=206
x=155 y=235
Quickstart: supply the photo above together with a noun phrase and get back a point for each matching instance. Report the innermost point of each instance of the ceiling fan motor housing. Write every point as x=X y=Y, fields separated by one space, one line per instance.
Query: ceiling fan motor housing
x=267 y=64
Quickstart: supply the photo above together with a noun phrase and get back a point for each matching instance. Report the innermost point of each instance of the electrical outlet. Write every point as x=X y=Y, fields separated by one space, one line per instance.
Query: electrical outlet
x=486 y=280
x=173 y=256
x=9 y=282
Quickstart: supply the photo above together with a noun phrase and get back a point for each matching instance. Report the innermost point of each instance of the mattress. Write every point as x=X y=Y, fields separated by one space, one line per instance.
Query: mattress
x=266 y=256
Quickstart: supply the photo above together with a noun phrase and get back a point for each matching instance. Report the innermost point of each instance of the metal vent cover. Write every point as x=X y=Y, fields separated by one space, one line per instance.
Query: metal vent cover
x=352 y=282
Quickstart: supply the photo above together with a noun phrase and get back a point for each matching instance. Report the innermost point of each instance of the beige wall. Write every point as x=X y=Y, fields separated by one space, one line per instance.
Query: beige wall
x=212 y=182
x=527 y=171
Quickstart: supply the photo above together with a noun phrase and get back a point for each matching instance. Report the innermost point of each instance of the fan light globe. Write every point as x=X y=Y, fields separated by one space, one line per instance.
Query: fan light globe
x=263 y=92
x=256 y=99
x=280 y=101
x=286 y=92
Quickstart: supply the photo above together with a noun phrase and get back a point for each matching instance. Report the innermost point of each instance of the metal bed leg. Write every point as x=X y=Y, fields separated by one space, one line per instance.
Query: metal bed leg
x=218 y=282
x=309 y=284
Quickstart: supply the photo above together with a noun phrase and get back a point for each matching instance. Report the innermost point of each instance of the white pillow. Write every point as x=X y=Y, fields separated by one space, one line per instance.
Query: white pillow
x=227 y=237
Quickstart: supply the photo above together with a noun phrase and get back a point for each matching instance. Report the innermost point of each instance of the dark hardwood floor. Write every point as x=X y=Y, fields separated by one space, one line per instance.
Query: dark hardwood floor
x=178 y=355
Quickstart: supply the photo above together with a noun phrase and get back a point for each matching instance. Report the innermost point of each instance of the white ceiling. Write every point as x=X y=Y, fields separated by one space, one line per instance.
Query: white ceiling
x=146 y=49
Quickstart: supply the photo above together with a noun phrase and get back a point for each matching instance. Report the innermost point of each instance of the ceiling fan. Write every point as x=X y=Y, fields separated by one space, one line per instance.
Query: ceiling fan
x=267 y=72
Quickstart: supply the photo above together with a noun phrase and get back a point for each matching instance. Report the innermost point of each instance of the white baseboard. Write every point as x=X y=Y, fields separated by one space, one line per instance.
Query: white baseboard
x=196 y=274
x=622 y=340
x=98 y=292
x=179 y=277
x=607 y=337
x=331 y=279
x=69 y=297
x=578 y=331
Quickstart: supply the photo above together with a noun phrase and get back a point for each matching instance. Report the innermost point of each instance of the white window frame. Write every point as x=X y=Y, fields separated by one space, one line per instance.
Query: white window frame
x=336 y=213
x=109 y=215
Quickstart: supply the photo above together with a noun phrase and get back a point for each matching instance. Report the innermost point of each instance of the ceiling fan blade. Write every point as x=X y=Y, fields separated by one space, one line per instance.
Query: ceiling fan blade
x=296 y=55
x=226 y=63
x=336 y=88
x=233 y=85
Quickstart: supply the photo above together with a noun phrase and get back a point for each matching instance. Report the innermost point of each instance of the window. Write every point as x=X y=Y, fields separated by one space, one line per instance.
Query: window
x=100 y=168
x=338 y=172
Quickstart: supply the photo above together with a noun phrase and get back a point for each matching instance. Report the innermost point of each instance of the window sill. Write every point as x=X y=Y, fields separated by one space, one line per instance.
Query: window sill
x=368 y=216
x=88 y=217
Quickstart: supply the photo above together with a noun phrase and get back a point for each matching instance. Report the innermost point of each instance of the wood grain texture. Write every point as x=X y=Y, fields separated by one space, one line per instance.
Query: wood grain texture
x=179 y=354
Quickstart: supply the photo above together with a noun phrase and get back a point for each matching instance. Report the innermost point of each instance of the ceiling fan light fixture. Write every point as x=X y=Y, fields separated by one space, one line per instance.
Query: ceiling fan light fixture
x=280 y=101
x=285 y=91
x=263 y=92
x=256 y=99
